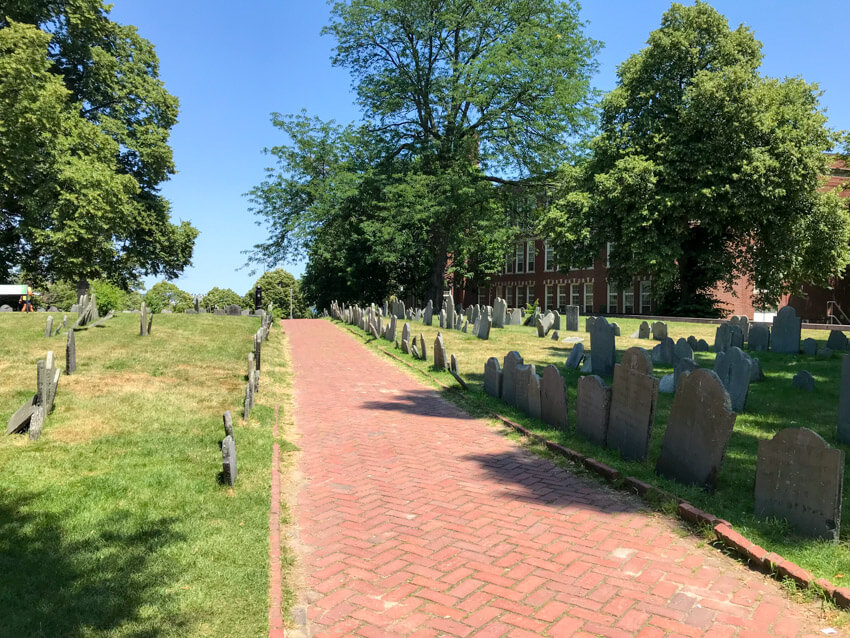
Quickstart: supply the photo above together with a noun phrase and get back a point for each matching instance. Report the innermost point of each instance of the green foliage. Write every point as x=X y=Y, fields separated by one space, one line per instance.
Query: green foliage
x=704 y=171
x=220 y=298
x=165 y=295
x=85 y=122
x=276 y=285
x=61 y=294
x=455 y=96
x=108 y=296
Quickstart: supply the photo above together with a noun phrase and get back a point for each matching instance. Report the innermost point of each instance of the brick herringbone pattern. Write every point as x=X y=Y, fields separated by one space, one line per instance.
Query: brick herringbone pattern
x=421 y=521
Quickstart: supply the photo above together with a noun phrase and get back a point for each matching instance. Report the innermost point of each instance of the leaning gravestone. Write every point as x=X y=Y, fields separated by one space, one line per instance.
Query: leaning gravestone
x=576 y=356
x=809 y=347
x=734 y=368
x=522 y=383
x=544 y=325
x=723 y=338
x=759 y=338
x=644 y=331
x=228 y=461
x=698 y=430
x=493 y=378
x=838 y=341
x=20 y=420
x=659 y=330
x=799 y=478
x=509 y=372
x=602 y=348
x=785 y=336
x=633 y=398
x=70 y=354
x=804 y=380
x=553 y=399
x=440 y=356
x=572 y=318
x=593 y=403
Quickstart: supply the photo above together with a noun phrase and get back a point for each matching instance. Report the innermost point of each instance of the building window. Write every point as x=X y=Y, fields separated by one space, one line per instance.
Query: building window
x=529 y=249
x=509 y=264
x=588 y=298
x=562 y=302
x=629 y=301
x=520 y=257
x=608 y=254
x=612 y=298
x=549 y=301
x=575 y=295
x=550 y=257
x=529 y=295
x=645 y=298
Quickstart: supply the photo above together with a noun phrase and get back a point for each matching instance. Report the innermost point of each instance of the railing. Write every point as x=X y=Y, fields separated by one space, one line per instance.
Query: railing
x=831 y=307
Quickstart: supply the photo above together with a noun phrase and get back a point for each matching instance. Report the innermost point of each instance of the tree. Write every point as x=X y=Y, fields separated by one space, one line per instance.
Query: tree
x=166 y=296
x=704 y=171
x=221 y=298
x=456 y=96
x=276 y=286
x=85 y=121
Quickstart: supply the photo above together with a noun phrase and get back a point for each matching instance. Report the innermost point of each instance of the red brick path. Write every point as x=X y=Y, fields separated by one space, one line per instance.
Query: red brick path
x=421 y=521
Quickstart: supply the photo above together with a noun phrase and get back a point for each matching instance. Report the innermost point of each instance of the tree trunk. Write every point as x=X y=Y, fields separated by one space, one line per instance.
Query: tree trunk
x=437 y=281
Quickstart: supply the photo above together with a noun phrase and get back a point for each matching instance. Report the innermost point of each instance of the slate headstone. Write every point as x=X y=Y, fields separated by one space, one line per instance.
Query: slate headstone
x=702 y=346
x=804 y=380
x=734 y=368
x=20 y=420
x=838 y=341
x=572 y=318
x=522 y=383
x=509 y=372
x=228 y=461
x=493 y=377
x=644 y=331
x=228 y=423
x=633 y=398
x=667 y=384
x=593 y=403
x=785 y=336
x=809 y=347
x=555 y=335
x=692 y=342
x=484 y=328
x=682 y=351
x=553 y=399
x=659 y=330
x=576 y=357
x=423 y=350
x=48 y=327
x=516 y=317
x=500 y=310
x=683 y=366
x=602 y=347
x=427 y=315
x=440 y=357
x=533 y=395
x=70 y=354
x=723 y=338
x=37 y=422
x=556 y=320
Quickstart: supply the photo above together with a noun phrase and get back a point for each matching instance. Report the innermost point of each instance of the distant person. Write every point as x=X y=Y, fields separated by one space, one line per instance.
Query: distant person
x=25 y=304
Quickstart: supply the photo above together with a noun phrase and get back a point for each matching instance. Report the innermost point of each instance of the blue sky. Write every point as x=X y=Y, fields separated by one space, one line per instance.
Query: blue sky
x=232 y=64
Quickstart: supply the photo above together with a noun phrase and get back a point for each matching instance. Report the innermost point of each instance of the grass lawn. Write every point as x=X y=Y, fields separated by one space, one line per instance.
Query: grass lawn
x=772 y=405
x=114 y=523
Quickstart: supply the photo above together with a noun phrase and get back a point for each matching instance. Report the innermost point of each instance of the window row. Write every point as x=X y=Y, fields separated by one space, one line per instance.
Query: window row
x=522 y=259
x=581 y=295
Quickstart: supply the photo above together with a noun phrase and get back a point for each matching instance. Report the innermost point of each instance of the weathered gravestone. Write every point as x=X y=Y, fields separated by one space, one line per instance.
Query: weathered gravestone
x=544 y=325
x=667 y=384
x=48 y=327
x=405 y=338
x=423 y=350
x=734 y=368
x=20 y=420
x=572 y=318
x=443 y=318
x=799 y=478
x=633 y=398
x=427 y=316
x=484 y=327
x=759 y=338
x=589 y=322
x=556 y=320
x=576 y=357
x=723 y=338
x=509 y=372
x=702 y=346
x=644 y=331
x=838 y=341
x=616 y=328
x=493 y=378
x=602 y=348
x=500 y=310
x=698 y=430
x=659 y=330
x=804 y=380
x=683 y=366
x=36 y=422
x=692 y=342
x=736 y=336
x=809 y=347
x=522 y=382
x=555 y=335
x=516 y=317
x=70 y=354
x=228 y=423
x=785 y=336
x=533 y=395
x=663 y=352
x=449 y=307
x=391 y=333
x=440 y=357
x=476 y=326
x=553 y=399
x=228 y=461
x=593 y=403
x=824 y=353
x=682 y=351
x=844 y=401
x=143 y=321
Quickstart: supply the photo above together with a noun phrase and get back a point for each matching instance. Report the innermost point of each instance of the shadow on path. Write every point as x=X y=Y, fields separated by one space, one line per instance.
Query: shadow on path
x=420 y=402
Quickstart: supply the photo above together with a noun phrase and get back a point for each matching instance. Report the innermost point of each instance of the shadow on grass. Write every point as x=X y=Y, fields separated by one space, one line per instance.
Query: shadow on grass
x=53 y=585
x=421 y=402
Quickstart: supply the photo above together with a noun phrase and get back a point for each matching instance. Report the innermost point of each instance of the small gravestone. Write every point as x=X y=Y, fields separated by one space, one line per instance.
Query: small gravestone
x=37 y=422
x=453 y=364
x=698 y=430
x=228 y=424
x=544 y=325
x=682 y=351
x=587 y=366
x=509 y=372
x=804 y=380
x=785 y=336
x=522 y=381
x=465 y=327
x=20 y=420
x=493 y=378
x=702 y=346
x=572 y=318
x=589 y=322
x=228 y=461
x=440 y=356
x=838 y=341
x=659 y=330
x=723 y=338
x=644 y=331
x=70 y=354
x=756 y=373
x=553 y=399
x=414 y=350
x=809 y=347
x=48 y=327
x=484 y=327
x=759 y=338
x=800 y=478
x=663 y=352
x=555 y=335
x=602 y=347
x=824 y=353
x=593 y=404
x=734 y=368
x=692 y=342
x=405 y=333
x=150 y=323
x=633 y=398
x=667 y=384
x=458 y=321
x=476 y=326
x=576 y=356
x=682 y=367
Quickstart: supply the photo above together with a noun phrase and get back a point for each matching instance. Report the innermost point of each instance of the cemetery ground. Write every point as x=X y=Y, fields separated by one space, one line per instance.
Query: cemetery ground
x=773 y=404
x=114 y=522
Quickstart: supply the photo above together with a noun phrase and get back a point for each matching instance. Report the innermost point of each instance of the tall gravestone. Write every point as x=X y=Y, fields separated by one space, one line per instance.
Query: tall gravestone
x=759 y=339
x=509 y=372
x=423 y=350
x=484 y=327
x=734 y=368
x=785 y=336
x=800 y=478
x=602 y=348
x=70 y=354
x=143 y=319
x=698 y=430
x=736 y=336
x=723 y=337
x=427 y=315
x=449 y=307
x=633 y=398
x=228 y=461
x=522 y=383
x=493 y=378
x=556 y=320
x=593 y=404
x=572 y=318
x=533 y=395
x=440 y=357
x=553 y=399
x=500 y=310
x=844 y=401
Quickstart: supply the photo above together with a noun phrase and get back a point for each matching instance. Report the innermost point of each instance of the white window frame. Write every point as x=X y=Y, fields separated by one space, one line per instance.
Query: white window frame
x=548 y=297
x=529 y=294
x=519 y=254
x=629 y=294
x=612 y=291
x=608 y=254
x=588 y=290
x=645 y=297
x=549 y=265
x=561 y=297
x=575 y=295
x=529 y=256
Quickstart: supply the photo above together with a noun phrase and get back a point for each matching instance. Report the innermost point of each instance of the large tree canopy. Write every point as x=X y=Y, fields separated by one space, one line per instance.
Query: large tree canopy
x=85 y=122
x=456 y=95
x=705 y=171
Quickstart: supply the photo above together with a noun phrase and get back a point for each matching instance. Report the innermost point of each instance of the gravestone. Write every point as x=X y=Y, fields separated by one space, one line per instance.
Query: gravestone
x=391 y=332
x=702 y=346
x=633 y=398
x=616 y=327
x=500 y=310
x=844 y=401
x=800 y=478
x=756 y=373
x=663 y=352
x=572 y=318
x=785 y=336
x=427 y=316
x=443 y=318
x=824 y=353
x=593 y=404
x=228 y=423
x=556 y=320
x=440 y=356
x=405 y=333
x=692 y=342
x=804 y=380
x=48 y=327
x=659 y=330
x=723 y=338
x=484 y=328
x=576 y=357
x=838 y=341
x=555 y=335
x=465 y=328
x=5 y=308
x=248 y=402
x=458 y=321
x=449 y=307
x=533 y=395
x=453 y=364
x=516 y=317
x=509 y=372
x=476 y=326
x=70 y=354
x=698 y=430
x=544 y=325
x=36 y=422
x=667 y=384
x=589 y=322
x=522 y=383
x=644 y=331
x=684 y=366
x=809 y=347
x=736 y=336
x=682 y=351
x=602 y=348
x=493 y=378
x=553 y=399
x=20 y=420
x=228 y=461
x=143 y=321
x=414 y=350
x=734 y=368
x=423 y=350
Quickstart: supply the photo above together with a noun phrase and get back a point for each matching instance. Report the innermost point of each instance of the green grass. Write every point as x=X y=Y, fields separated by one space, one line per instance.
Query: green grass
x=772 y=405
x=114 y=522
